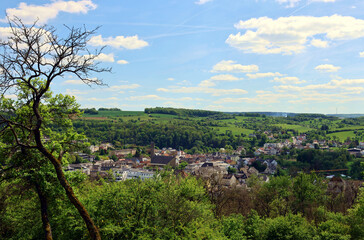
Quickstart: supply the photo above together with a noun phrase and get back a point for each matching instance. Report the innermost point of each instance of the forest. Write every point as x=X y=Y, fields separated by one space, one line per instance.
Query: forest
x=174 y=207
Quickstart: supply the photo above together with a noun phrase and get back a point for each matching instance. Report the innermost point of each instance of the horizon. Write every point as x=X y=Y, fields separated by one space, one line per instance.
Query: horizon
x=221 y=55
x=232 y=112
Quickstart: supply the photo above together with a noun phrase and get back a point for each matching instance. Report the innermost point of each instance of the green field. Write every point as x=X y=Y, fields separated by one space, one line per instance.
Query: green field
x=235 y=130
x=342 y=135
x=298 y=128
x=116 y=114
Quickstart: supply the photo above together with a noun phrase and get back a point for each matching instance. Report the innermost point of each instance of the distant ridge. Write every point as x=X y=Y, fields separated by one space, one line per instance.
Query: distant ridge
x=289 y=114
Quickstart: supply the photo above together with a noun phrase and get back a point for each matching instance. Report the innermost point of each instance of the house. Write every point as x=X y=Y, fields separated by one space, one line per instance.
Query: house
x=161 y=161
x=355 y=151
x=125 y=174
x=122 y=152
x=229 y=180
x=94 y=148
x=209 y=169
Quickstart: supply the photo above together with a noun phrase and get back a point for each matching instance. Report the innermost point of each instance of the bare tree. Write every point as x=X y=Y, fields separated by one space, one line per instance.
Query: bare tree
x=30 y=60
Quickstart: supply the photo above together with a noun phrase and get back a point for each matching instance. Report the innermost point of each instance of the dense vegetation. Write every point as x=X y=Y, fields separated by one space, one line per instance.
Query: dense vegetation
x=177 y=134
x=185 y=112
x=171 y=207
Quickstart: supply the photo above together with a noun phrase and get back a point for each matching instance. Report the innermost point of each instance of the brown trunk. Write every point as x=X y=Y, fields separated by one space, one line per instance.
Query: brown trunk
x=92 y=229
x=44 y=213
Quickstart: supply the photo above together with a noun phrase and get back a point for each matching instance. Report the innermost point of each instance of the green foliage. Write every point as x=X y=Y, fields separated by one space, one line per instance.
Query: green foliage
x=91 y=111
x=231 y=170
x=185 y=112
x=290 y=227
x=324 y=160
x=233 y=227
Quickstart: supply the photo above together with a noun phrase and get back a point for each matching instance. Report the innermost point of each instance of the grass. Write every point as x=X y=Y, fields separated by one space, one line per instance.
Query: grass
x=116 y=114
x=235 y=130
x=298 y=128
x=342 y=135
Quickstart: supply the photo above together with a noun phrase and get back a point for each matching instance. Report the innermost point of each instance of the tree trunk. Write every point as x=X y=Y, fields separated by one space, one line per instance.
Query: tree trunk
x=92 y=229
x=44 y=212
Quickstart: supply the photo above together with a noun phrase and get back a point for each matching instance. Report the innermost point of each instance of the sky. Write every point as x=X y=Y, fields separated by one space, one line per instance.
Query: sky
x=225 y=55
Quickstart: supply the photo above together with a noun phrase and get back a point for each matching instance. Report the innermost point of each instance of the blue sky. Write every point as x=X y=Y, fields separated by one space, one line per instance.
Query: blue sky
x=225 y=55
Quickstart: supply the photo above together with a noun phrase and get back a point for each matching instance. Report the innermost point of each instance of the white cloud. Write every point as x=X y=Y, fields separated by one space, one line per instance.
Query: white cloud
x=170 y=79
x=225 y=77
x=146 y=97
x=342 y=85
x=122 y=62
x=361 y=54
x=105 y=57
x=327 y=68
x=262 y=97
x=201 y=2
x=293 y=3
x=73 y=82
x=184 y=82
x=347 y=82
x=132 y=42
x=288 y=35
x=103 y=99
x=263 y=75
x=319 y=43
x=122 y=87
x=156 y=97
x=231 y=66
x=207 y=90
x=5 y=32
x=221 y=77
x=288 y=80
x=325 y=1
x=290 y=3
x=30 y=13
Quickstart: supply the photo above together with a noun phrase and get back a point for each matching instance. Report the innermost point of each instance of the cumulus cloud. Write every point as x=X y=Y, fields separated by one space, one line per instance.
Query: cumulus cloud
x=201 y=2
x=221 y=77
x=73 y=82
x=105 y=57
x=232 y=66
x=288 y=80
x=206 y=90
x=170 y=79
x=262 y=97
x=102 y=99
x=319 y=43
x=327 y=68
x=263 y=75
x=123 y=87
x=342 y=85
x=156 y=97
x=146 y=97
x=290 y=3
x=361 y=54
x=288 y=35
x=325 y=1
x=122 y=62
x=293 y=3
x=43 y=13
x=5 y=32
x=131 y=42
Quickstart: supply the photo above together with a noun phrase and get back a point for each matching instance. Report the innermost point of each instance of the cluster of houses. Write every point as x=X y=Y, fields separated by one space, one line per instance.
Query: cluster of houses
x=226 y=167
x=300 y=142
x=229 y=169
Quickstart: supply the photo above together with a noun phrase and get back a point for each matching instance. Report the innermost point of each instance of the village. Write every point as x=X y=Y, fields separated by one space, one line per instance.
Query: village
x=229 y=168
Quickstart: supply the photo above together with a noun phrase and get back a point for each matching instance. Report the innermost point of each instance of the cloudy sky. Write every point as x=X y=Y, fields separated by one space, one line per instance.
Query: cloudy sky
x=226 y=55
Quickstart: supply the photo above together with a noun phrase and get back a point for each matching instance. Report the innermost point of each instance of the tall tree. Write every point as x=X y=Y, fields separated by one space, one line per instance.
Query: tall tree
x=30 y=60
